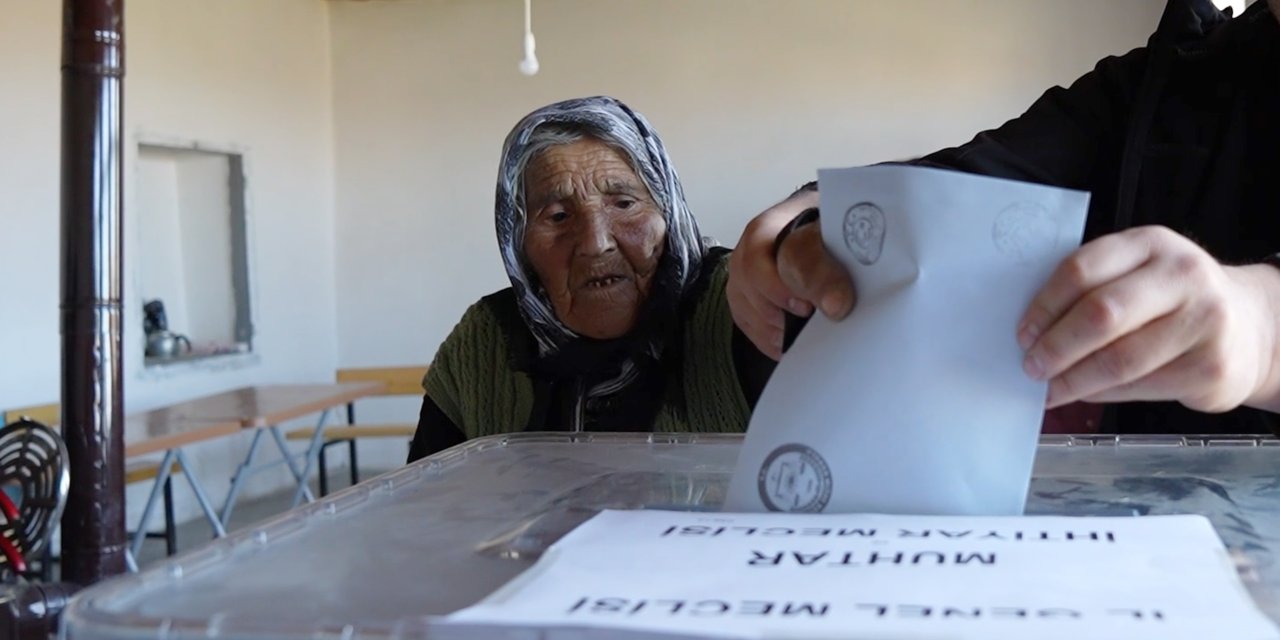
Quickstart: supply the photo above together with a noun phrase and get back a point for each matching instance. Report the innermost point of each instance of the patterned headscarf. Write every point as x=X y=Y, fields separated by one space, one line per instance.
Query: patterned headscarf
x=617 y=125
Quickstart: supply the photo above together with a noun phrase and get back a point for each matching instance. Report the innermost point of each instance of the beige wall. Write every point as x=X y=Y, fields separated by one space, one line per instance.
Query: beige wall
x=29 y=40
x=751 y=97
x=252 y=75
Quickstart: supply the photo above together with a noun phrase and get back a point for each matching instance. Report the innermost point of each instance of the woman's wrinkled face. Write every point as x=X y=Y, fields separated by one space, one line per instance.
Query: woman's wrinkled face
x=593 y=235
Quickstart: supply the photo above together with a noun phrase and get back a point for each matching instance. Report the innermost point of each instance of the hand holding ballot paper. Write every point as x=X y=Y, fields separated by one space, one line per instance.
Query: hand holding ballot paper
x=917 y=403
x=1184 y=313
x=1143 y=314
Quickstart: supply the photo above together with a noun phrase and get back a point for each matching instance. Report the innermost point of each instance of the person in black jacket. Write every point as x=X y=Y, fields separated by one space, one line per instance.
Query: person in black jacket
x=1167 y=315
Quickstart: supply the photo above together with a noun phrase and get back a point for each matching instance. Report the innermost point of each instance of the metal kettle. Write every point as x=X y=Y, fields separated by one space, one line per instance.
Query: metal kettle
x=161 y=342
x=167 y=344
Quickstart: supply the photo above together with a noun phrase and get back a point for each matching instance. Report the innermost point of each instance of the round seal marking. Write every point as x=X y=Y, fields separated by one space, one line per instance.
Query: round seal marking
x=1023 y=231
x=864 y=230
x=794 y=478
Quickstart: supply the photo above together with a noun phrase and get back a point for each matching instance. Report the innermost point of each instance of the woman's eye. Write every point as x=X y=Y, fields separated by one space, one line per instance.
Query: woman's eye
x=625 y=203
x=558 y=216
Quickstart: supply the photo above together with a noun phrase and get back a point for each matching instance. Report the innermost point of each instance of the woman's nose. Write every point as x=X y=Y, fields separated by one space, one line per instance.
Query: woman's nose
x=595 y=234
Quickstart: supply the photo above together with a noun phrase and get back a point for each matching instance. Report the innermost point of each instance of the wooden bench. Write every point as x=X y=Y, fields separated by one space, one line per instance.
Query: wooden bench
x=399 y=381
x=134 y=472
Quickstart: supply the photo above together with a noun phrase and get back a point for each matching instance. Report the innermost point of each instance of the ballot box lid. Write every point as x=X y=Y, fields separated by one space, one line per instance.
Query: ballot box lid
x=382 y=558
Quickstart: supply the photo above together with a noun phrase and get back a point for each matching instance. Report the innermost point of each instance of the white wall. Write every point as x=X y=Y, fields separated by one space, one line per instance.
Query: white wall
x=158 y=228
x=29 y=55
x=206 y=247
x=248 y=74
x=751 y=96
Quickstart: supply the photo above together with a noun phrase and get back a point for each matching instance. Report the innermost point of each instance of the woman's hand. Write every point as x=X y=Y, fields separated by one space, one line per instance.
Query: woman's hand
x=1146 y=314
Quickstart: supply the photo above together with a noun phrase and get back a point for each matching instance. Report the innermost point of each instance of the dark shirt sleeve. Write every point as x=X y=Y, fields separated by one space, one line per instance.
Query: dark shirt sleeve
x=436 y=432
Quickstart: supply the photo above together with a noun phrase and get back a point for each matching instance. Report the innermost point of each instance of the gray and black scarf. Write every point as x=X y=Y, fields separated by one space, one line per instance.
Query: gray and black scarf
x=614 y=362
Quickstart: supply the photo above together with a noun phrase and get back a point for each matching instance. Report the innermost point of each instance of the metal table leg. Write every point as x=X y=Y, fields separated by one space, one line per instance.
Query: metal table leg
x=162 y=477
x=313 y=452
x=287 y=456
x=139 y=535
x=210 y=514
x=241 y=474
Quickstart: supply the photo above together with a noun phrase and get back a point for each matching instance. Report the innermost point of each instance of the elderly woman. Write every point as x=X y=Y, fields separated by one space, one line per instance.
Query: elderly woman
x=616 y=318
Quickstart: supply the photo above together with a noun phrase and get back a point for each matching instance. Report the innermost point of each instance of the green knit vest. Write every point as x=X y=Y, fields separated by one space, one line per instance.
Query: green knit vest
x=473 y=384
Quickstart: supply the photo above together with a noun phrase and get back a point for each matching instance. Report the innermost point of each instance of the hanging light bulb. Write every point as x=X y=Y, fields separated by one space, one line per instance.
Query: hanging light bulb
x=529 y=65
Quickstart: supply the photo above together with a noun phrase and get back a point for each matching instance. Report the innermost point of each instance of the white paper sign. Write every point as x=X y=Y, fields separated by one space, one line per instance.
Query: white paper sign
x=641 y=574
x=917 y=402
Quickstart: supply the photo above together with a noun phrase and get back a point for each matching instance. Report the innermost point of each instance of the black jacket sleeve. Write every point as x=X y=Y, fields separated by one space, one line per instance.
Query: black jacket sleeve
x=436 y=432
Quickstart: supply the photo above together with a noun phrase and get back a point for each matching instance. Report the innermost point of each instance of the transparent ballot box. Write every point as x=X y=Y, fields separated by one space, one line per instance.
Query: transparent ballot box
x=381 y=559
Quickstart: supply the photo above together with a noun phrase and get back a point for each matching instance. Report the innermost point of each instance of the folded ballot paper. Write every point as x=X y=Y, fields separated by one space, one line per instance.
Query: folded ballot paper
x=917 y=402
x=656 y=574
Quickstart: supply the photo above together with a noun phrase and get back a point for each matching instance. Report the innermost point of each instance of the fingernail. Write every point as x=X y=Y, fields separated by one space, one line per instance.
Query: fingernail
x=834 y=304
x=1027 y=335
x=776 y=341
x=1032 y=365
x=799 y=307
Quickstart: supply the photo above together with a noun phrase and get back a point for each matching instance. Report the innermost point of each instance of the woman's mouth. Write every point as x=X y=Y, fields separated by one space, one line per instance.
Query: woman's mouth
x=603 y=282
